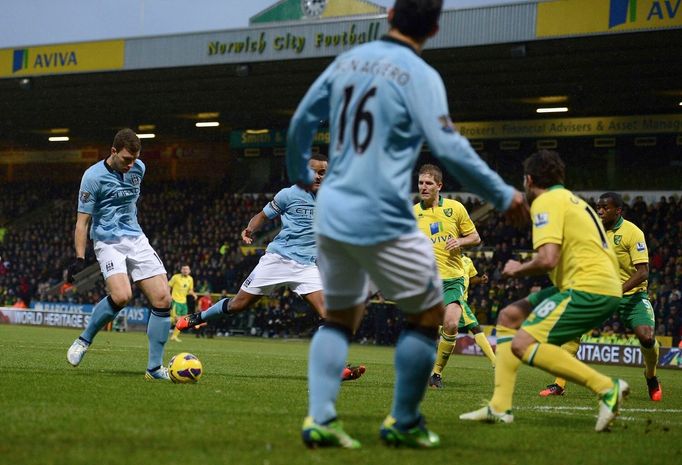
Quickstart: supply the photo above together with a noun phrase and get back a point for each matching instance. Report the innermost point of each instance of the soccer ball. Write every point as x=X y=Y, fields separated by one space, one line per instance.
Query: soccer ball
x=185 y=368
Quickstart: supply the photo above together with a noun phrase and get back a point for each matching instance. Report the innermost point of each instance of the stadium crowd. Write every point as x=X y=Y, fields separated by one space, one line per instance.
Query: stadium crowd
x=195 y=224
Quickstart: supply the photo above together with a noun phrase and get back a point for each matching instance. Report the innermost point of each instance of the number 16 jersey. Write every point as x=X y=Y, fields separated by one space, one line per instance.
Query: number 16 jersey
x=588 y=262
x=381 y=101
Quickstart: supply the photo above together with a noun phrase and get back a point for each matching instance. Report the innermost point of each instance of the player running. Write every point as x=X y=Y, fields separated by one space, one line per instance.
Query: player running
x=448 y=226
x=572 y=247
x=635 y=310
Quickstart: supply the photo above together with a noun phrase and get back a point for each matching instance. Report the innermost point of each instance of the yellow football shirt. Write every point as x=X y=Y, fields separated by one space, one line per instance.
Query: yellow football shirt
x=630 y=246
x=588 y=262
x=469 y=272
x=180 y=287
x=449 y=219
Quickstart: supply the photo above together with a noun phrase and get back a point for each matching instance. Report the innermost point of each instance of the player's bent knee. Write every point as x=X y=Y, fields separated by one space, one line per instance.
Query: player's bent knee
x=511 y=316
x=118 y=300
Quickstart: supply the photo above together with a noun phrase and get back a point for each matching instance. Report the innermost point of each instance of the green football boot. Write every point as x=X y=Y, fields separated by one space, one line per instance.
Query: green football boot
x=329 y=435
x=417 y=437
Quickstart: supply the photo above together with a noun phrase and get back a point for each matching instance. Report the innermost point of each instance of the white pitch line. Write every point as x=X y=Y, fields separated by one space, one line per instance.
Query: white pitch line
x=644 y=410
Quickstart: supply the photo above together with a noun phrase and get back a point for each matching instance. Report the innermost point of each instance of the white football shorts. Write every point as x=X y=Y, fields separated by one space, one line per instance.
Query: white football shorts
x=132 y=255
x=404 y=269
x=274 y=271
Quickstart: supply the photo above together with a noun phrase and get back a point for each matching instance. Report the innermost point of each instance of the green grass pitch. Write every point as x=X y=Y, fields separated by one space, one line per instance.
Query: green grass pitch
x=250 y=403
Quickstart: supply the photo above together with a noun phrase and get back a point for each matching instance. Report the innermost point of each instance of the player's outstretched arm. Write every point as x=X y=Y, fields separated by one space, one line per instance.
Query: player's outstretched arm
x=428 y=103
x=254 y=225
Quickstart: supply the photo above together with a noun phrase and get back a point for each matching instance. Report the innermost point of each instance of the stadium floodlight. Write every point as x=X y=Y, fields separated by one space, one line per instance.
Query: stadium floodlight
x=146 y=136
x=207 y=124
x=58 y=139
x=552 y=110
x=681 y=104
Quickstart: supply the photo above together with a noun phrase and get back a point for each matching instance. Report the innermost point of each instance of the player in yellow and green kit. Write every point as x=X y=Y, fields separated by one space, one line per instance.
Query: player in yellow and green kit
x=635 y=310
x=572 y=247
x=468 y=321
x=447 y=223
x=181 y=284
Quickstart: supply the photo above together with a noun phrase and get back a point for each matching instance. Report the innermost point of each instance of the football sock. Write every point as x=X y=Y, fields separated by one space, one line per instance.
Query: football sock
x=572 y=348
x=215 y=310
x=650 y=359
x=506 y=368
x=176 y=333
x=483 y=343
x=326 y=360
x=557 y=361
x=157 y=334
x=446 y=344
x=414 y=358
x=104 y=312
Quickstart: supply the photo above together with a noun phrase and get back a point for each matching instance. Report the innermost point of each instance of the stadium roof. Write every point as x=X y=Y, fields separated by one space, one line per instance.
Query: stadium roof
x=633 y=73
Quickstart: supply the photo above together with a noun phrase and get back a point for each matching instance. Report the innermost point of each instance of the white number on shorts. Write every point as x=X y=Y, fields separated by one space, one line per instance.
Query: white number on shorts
x=545 y=308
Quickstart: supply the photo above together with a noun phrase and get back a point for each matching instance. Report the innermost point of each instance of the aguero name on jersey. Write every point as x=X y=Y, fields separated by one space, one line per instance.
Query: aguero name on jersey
x=296 y=239
x=180 y=286
x=630 y=246
x=447 y=220
x=587 y=262
x=110 y=197
x=381 y=101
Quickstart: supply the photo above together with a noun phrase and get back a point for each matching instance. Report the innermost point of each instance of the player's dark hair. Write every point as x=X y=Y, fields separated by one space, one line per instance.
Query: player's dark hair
x=416 y=18
x=615 y=198
x=545 y=167
x=319 y=157
x=127 y=139
x=433 y=170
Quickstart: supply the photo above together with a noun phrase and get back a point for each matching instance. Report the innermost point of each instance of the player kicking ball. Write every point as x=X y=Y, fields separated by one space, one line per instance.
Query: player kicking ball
x=289 y=260
x=107 y=210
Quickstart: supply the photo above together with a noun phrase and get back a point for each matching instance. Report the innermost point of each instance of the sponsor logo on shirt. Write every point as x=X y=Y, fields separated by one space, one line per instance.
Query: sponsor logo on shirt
x=540 y=220
x=641 y=246
x=435 y=228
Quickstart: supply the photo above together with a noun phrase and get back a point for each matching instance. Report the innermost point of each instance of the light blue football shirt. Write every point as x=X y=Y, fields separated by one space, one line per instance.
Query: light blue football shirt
x=381 y=100
x=110 y=198
x=296 y=239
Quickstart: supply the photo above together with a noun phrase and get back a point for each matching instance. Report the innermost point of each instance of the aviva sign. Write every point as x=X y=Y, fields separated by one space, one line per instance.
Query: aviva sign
x=577 y=17
x=60 y=59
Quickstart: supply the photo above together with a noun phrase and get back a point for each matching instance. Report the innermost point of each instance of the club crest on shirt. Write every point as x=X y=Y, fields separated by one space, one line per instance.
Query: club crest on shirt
x=85 y=196
x=447 y=212
x=135 y=179
x=540 y=220
x=641 y=246
x=617 y=239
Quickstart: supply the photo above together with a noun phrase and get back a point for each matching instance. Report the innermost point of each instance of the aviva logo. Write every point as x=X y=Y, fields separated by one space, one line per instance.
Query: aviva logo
x=622 y=11
x=42 y=61
x=625 y=11
x=435 y=227
x=20 y=60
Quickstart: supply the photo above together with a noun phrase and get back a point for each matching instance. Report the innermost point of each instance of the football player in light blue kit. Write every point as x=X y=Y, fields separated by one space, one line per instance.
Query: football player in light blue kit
x=381 y=100
x=289 y=260
x=107 y=208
